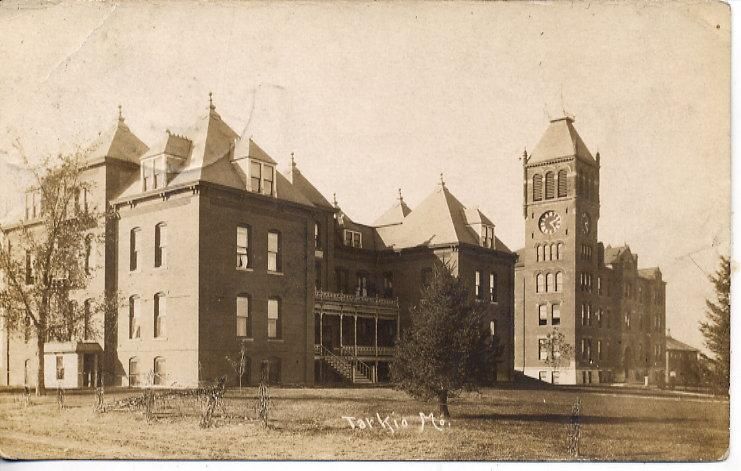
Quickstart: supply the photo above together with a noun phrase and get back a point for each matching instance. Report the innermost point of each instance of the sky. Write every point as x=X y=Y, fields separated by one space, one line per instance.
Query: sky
x=372 y=97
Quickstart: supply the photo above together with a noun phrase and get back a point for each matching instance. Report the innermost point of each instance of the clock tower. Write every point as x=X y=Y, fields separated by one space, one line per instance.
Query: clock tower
x=557 y=268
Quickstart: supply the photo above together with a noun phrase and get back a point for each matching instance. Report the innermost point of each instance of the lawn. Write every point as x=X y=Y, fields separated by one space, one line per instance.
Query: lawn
x=496 y=424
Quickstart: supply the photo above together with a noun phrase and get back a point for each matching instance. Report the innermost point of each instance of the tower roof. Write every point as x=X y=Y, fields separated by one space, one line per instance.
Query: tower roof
x=304 y=186
x=395 y=214
x=117 y=142
x=560 y=140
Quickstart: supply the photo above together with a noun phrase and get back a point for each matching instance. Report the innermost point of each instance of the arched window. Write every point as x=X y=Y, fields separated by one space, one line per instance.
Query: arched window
x=553 y=252
x=160 y=244
x=160 y=372
x=134 y=328
x=134 y=249
x=134 y=371
x=549 y=284
x=537 y=187
x=541 y=251
x=160 y=314
x=540 y=283
x=537 y=251
x=559 y=282
x=559 y=250
x=550 y=185
x=562 y=183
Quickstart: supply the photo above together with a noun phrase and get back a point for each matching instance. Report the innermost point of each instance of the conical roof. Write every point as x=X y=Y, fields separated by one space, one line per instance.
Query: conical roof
x=394 y=215
x=560 y=140
x=117 y=142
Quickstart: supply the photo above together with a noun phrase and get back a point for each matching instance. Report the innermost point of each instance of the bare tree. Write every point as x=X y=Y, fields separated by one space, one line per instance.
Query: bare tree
x=239 y=364
x=44 y=260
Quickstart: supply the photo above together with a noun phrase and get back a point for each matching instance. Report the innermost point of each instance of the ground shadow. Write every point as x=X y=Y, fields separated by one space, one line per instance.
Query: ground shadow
x=565 y=419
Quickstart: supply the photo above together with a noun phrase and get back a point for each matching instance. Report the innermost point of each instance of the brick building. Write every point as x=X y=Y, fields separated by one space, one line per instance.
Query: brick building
x=612 y=313
x=213 y=250
x=682 y=363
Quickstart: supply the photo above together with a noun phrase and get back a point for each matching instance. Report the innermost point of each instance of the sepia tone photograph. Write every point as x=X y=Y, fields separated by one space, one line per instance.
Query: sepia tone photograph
x=365 y=231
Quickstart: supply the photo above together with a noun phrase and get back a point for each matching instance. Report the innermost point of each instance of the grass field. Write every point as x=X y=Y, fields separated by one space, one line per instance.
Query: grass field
x=501 y=424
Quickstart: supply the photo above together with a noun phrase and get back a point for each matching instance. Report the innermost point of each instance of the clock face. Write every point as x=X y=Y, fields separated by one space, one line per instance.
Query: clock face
x=549 y=222
x=586 y=223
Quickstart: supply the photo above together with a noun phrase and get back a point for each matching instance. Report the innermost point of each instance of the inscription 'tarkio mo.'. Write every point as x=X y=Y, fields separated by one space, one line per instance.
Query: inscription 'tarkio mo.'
x=392 y=425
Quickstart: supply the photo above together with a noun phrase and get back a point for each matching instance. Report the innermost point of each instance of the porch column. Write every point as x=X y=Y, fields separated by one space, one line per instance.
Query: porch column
x=321 y=333
x=94 y=379
x=355 y=332
x=341 y=322
x=375 y=337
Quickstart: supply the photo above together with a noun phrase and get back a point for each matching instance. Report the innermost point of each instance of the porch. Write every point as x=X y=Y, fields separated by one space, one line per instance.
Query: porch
x=354 y=337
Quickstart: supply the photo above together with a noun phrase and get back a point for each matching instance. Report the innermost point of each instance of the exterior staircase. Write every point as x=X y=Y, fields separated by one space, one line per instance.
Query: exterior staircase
x=354 y=371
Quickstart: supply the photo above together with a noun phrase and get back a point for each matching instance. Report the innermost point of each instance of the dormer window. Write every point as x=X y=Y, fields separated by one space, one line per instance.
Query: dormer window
x=487 y=236
x=153 y=173
x=353 y=239
x=262 y=177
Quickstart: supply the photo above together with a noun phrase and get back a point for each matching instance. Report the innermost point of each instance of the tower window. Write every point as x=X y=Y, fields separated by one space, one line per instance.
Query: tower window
x=562 y=183
x=549 y=283
x=542 y=314
x=559 y=281
x=549 y=185
x=556 y=314
x=540 y=283
x=537 y=187
x=160 y=244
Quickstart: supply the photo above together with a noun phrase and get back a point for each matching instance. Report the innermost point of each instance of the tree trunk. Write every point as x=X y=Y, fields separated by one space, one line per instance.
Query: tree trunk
x=442 y=403
x=40 y=386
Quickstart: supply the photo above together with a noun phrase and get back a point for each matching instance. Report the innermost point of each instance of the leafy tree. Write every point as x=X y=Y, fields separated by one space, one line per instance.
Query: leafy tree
x=560 y=352
x=44 y=260
x=717 y=328
x=448 y=346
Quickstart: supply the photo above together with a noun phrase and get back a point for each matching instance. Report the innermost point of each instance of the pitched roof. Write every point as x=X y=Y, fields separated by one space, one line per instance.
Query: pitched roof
x=439 y=219
x=304 y=186
x=248 y=148
x=394 y=215
x=560 y=140
x=674 y=344
x=613 y=254
x=653 y=273
x=117 y=142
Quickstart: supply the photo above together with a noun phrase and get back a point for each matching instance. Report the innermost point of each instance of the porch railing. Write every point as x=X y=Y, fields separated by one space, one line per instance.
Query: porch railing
x=355 y=299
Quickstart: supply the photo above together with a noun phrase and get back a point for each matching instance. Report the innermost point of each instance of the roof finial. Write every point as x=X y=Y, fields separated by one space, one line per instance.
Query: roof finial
x=334 y=200
x=401 y=198
x=120 y=115
x=293 y=162
x=211 y=102
x=442 y=180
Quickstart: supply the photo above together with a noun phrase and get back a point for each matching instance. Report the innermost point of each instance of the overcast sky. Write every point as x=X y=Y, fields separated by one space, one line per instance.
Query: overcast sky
x=375 y=97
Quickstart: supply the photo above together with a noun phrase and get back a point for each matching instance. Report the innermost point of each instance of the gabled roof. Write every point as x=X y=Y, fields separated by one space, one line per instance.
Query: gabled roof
x=560 y=140
x=674 y=344
x=474 y=216
x=439 y=219
x=117 y=142
x=613 y=254
x=248 y=148
x=304 y=186
x=394 y=215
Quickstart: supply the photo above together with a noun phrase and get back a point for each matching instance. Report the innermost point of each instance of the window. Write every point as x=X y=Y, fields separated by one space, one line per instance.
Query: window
x=543 y=376
x=549 y=185
x=361 y=287
x=599 y=349
x=134 y=328
x=134 y=249
x=549 y=283
x=542 y=349
x=598 y=315
x=88 y=253
x=262 y=176
x=29 y=268
x=583 y=316
x=589 y=314
x=584 y=348
x=540 y=283
x=244 y=324
x=243 y=247
x=86 y=319
x=562 y=183
x=542 y=314
x=160 y=244
x=148 y=175
x=487 y=236
x=388 y=284
x=538 y=257
x=492 y=287
x=274 y=327
x=479 y=291
x=599 y=285
x=559 y=250
x=556 y=377
x=134 y=372
x=353 y=239
x=33 y=204
x=160 y=372
x=318 y=275
x=60 y=367
x=274 y=251
x=537 y=187
x=559 y=281
x=160 y=313
x=556 y=314
x=493 y=328
x=317 y=236
x=342 y=277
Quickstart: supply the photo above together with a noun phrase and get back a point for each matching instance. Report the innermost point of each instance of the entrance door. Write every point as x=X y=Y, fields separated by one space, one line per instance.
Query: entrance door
x=88 y=370
x=328 y=334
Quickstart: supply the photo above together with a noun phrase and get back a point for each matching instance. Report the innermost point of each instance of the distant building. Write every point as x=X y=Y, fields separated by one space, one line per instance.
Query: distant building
x=682 y=363
x=212 y=249
x=610 y=312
